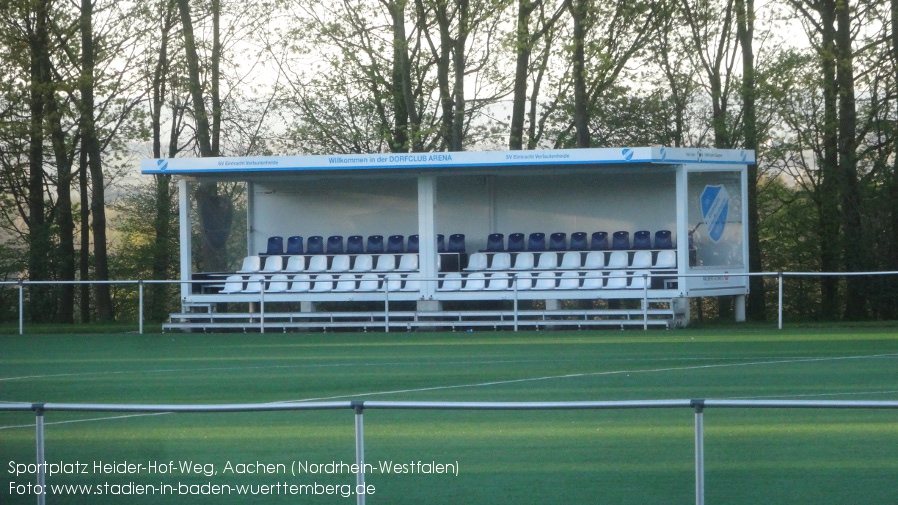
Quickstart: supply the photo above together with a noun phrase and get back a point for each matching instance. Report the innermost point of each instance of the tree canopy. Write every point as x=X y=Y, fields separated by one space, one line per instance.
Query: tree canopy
x=87 y=88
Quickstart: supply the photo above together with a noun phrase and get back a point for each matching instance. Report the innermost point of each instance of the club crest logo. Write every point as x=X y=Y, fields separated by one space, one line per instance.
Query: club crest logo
x=162 y=164
x=715 y=207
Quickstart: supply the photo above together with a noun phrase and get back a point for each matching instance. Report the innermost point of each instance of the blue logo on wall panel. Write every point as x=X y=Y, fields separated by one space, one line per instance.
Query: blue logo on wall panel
x=715 y=207
x=162 y=164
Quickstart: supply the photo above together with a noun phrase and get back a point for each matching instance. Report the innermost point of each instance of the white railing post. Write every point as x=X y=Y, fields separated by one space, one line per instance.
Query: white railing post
x=359 y=452
x=514 y=281
x=780 y=303
x=140 y=307
x=386 y=287
x=41 y=460
x=699 y=406
x=21 y=308
x=645 y=300
x=262 y=308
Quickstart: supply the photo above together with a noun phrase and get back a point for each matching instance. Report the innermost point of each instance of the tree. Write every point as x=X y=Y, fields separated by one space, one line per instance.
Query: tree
x=604 y=37
x=714 y=52
x=745 y=14
x=524 y=44
x=216 y=211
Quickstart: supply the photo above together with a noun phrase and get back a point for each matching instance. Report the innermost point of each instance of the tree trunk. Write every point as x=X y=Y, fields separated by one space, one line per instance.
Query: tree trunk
x=855 y=248
x=91 y=144
x=581 y=100
x=84 y=253
x=523 y=49
x=457 y=128
x=893 y=187
x=64 y=218
x=830 y=245
x=39 y=239
x=400 y=141
x=215 y=210
x=745 y=16
x=162 y=251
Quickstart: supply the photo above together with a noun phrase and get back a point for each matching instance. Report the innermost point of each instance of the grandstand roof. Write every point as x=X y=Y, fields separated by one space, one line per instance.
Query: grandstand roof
x=442 y=161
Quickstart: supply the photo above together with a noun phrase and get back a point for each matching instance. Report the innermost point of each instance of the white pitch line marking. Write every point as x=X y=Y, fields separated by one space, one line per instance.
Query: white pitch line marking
x=525 y=379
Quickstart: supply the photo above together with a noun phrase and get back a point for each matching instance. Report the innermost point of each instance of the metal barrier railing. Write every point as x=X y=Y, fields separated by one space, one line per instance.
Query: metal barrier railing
x=358 y=407
x=780 y=276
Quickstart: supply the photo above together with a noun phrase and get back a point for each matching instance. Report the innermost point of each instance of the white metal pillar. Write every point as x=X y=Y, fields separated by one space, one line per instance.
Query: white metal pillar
x=427 y=255
x=682 y=226
x=740 y=308
x=185 y=232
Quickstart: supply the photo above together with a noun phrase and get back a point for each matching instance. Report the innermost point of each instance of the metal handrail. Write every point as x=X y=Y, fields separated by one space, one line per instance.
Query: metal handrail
x=358 y=407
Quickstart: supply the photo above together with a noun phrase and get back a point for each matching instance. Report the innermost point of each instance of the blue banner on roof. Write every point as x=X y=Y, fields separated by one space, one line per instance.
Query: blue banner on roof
x=439 y=160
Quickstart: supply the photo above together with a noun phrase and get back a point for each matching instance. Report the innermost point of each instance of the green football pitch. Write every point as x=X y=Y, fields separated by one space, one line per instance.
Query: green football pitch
x=786 y=456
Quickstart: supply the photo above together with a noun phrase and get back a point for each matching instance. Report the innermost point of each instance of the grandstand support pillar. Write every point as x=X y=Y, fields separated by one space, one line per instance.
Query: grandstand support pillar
x=550 y=306
x=307 y=307
x=680 y=308
x=740 y=308
x=186 y=233
x=427 y=248
x=430 y=306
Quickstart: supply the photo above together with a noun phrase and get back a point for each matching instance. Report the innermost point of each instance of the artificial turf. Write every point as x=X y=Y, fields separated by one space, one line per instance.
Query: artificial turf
x=624 y=456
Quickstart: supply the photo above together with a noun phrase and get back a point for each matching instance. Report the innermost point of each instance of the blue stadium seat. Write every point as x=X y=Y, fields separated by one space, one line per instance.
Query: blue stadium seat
x=456 y=243
x=396 y=244
x=355 y=244
x=495 y=242
x=537 y=242
x=516 y=242
x=414 y=244
x=558 y=241
x=620 y=240
x=375 y=244
x=599 y=241
x=441 y=243
x=578 y=241
x=294 y=245
x=642 y=239
x=335 y=244
x=663 y=240
x=315 y=245
x=275 y=245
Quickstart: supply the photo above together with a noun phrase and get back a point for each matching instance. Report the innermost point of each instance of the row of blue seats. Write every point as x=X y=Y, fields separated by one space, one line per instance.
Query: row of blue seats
x=454 y=281
x=356 y=244
x=598 y=241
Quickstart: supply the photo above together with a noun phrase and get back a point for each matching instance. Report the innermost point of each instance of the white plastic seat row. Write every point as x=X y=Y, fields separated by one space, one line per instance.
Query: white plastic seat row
x=319 y=264
x=454 y=281
x=570 y=280
x=571 y=260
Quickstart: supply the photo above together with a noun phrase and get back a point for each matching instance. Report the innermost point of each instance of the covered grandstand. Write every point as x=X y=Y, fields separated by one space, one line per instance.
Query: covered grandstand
x=466 y=239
